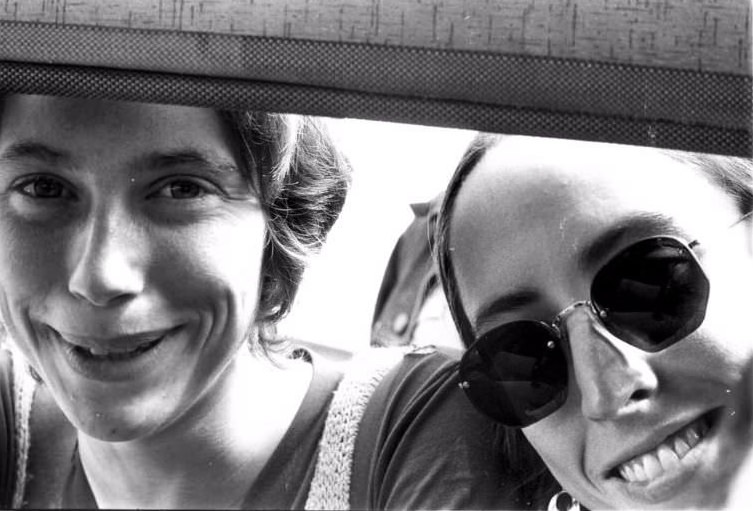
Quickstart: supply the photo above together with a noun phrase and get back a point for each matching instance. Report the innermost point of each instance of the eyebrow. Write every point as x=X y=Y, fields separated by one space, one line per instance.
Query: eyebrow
x=154 y=161
x=35 y=151
x=594 y=254
x=513 y=300
x=637 y=224
x=187 y=157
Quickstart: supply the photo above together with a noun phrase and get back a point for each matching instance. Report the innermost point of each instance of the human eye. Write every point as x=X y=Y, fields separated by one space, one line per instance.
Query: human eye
x=43 y=187
x=187 y=198
x=185 y=188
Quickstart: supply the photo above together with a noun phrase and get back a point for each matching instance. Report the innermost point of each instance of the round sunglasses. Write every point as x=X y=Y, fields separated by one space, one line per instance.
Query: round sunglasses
x=650 y=295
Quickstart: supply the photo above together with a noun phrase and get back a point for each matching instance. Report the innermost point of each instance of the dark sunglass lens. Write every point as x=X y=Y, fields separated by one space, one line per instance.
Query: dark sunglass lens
x=516 y=373
x=652 y=294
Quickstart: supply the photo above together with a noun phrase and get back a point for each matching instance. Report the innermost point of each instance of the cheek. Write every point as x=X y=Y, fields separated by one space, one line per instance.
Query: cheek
x=236 y=249
x=727 y=326
x=32 y=263
x=32 y=267
x=218 y=260
x=559 y=442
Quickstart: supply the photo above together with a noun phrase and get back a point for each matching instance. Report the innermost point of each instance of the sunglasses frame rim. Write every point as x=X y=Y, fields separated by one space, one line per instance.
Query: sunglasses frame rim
x=601 y=315
x=549 y=408
x=697 y=319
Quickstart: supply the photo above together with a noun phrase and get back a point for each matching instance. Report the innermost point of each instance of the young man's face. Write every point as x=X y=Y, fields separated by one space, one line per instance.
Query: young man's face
x=130 y=254
x=533 y=224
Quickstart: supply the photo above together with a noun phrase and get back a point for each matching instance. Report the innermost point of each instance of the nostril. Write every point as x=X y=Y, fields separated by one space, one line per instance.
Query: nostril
x=640 y=395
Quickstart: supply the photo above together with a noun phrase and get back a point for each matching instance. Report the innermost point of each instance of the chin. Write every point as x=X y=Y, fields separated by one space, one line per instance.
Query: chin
x=118 y=422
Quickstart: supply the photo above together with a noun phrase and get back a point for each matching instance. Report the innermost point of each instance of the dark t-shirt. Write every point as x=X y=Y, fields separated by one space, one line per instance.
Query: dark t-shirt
x=420 y=446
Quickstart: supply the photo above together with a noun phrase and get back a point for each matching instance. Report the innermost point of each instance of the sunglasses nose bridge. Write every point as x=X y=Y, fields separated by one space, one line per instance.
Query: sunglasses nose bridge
x=561 y=317
x=611 y=376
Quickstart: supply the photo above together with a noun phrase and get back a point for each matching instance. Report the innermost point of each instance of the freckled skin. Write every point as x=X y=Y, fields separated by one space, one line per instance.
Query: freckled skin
x=522 y=218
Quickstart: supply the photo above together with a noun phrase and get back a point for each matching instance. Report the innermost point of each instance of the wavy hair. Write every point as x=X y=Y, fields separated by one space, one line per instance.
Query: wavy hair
x=302 y=180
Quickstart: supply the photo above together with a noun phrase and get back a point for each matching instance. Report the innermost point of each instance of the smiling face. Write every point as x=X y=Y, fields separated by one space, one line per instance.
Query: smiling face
x=532 y=224
x=130 y=254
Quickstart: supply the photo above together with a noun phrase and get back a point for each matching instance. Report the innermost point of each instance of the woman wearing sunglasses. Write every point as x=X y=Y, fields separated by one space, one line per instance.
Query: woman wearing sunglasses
x=601 y=291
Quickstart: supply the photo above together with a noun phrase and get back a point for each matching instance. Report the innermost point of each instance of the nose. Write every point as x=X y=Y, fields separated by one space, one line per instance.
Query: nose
x=614 y=379
x=105 y=267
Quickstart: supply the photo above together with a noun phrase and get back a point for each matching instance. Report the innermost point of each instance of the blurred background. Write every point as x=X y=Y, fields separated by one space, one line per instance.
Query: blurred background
x=394 y=165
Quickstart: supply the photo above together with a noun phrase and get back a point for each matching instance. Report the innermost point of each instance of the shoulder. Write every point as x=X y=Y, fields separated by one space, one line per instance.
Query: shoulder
x=420 y=376
x=400 y=378
x=422 y=445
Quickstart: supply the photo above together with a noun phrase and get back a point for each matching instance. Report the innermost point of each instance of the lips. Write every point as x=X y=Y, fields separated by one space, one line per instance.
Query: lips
x=668 y=455
x=120 y=352
x=112 y=348
x=117 y=358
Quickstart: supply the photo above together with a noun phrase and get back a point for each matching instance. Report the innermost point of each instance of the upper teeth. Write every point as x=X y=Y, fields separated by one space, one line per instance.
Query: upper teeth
x=95 y=350
x=100 y=351
x=666 y=456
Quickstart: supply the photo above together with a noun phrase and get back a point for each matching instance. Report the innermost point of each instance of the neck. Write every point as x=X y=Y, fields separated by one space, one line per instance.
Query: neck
x=210 y=456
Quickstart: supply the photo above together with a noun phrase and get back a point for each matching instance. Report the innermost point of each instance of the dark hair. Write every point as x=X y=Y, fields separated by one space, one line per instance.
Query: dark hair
x=535 y=483
x=732 y=174
x=302 y=180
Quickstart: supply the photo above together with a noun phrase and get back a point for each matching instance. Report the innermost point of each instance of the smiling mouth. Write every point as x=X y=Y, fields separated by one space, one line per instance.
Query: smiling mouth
x=668 y=455
x=113 y=352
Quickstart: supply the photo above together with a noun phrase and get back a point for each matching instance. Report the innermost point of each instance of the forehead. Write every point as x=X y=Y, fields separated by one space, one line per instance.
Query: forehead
x=531 y=207
x=87 y=126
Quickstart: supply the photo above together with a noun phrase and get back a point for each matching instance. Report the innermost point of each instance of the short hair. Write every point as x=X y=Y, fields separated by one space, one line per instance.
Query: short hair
x=302 y=179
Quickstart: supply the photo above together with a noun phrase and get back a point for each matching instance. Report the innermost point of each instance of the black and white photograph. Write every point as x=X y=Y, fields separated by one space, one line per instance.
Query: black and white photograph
x=376 y=254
